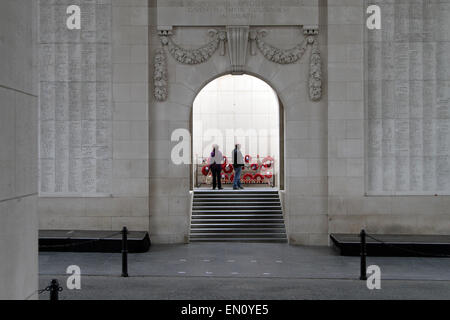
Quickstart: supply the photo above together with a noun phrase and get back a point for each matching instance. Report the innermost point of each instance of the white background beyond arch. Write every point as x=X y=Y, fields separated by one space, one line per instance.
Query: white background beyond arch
x=236 y=109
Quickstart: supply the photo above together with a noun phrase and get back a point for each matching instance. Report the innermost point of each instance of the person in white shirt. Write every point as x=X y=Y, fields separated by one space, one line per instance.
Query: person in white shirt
x=216 y=166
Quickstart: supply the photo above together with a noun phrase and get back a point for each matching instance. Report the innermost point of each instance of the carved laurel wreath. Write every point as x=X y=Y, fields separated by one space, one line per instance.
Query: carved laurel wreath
x=315 y=73
x=195 y=56
x=281 y=56
x=271 y=53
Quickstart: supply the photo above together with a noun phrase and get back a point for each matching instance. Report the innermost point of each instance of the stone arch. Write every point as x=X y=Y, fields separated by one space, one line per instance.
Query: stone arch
x=281 y=120
x=224 y=73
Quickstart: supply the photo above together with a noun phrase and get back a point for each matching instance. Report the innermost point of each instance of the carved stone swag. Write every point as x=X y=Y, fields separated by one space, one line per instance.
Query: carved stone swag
x=237 y=39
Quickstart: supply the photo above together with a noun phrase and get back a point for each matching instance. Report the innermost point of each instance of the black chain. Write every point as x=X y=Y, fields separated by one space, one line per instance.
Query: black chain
x=407 y=250
x=49 y=288
x=43 y=290
x=71 y=245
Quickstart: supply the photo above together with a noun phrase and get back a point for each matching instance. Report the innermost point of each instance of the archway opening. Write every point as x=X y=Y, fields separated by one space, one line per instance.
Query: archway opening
x=245 y=110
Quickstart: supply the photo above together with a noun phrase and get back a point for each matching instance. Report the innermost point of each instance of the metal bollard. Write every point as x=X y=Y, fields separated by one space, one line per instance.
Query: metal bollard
x=54 y=289
x=363 y=275
x=124 y=252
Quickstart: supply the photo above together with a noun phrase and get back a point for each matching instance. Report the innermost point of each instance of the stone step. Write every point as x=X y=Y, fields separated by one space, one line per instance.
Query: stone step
x=231 y=200
x=256 y=208
x=243 y=240
x=236 y=195
x=258 y=205
x=242 y=225
x=236 y=211
x=237 y=220
x=237 y=216
x=239 y=235
x=237 y=230
x=248 y=191
x=242 y=219
x=248 y=216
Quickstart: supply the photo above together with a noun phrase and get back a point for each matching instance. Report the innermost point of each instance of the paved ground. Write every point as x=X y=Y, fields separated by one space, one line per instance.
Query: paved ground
x=245 y=271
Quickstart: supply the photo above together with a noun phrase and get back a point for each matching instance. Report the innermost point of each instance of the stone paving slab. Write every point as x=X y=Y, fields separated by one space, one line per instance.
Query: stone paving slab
x=219 y=288
x=238 y=260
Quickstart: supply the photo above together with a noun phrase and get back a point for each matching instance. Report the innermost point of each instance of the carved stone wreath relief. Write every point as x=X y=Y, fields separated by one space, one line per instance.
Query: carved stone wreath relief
x=237 y=39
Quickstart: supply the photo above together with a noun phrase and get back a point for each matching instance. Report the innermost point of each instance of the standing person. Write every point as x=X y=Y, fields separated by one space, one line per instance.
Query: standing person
x=238 y=163
x=216 y=166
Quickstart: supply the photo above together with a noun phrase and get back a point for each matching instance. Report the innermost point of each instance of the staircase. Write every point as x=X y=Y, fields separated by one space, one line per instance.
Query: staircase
x=240 y=216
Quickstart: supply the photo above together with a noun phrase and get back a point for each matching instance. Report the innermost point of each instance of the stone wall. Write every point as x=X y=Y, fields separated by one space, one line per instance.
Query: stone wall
x=326 y=142
x=98 y=118
x=18 y=151
x=354 y=203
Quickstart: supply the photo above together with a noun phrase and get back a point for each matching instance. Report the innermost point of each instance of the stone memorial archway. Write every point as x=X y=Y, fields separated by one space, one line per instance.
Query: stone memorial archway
x=186 y=59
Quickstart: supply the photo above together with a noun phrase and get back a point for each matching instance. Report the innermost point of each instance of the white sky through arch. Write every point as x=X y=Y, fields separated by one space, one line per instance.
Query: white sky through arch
x=232 y=109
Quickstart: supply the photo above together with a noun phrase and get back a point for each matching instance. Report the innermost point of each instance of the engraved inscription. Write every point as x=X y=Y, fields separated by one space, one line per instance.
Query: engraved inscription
x=75 y=103
x=408 y=101
x=238 y=9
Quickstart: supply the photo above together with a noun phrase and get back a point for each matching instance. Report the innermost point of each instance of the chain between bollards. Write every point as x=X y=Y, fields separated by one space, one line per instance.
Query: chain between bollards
x=124 y=252
x=363 y=275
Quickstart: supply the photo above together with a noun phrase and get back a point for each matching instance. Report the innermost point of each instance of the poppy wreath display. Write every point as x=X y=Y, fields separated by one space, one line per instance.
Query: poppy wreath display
x=206 y=170
x=254 y=166
x=225 y=160
x=232 y=178
x=227 y=168
x=267 y=165
x=248 y=159
x=268 y=162
x=269 y=175
x=247 y=177
x=258 y=178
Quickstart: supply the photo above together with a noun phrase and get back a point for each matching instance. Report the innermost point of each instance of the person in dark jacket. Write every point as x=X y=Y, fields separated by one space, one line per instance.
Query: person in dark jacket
x=216 y=167
x=238 y=163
